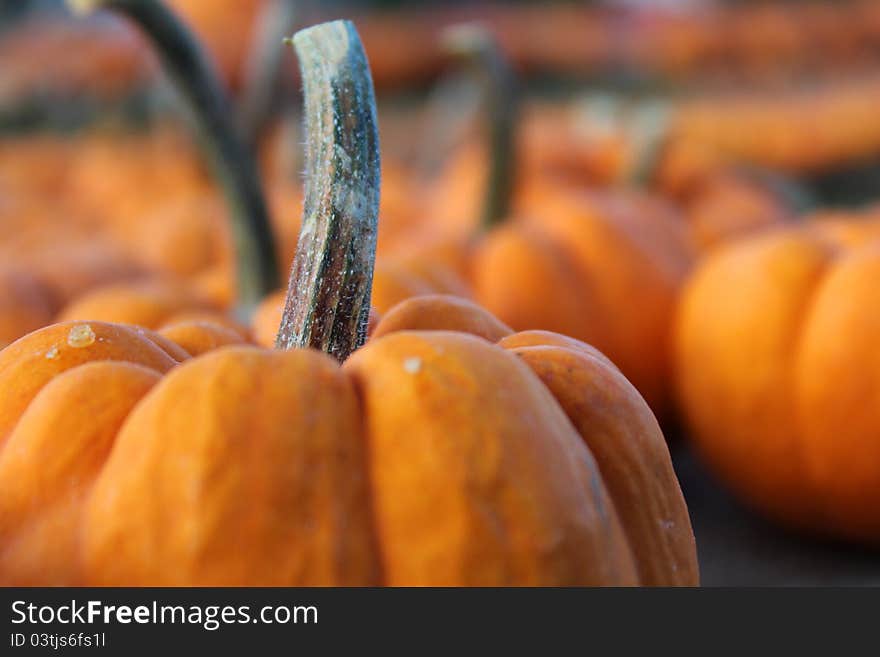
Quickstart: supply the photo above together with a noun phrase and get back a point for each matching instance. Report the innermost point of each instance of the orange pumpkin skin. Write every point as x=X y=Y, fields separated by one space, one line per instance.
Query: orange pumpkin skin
x=611 y=418
x=778 y=377
x=25 y=305
x=69 y=269
x=442 y=313
x=429 y=457
x=174 y=310
x=727 y=207
x=400 y=277
x=267 y=318
x=603 y=268
x=197 y=337
x=148 y=303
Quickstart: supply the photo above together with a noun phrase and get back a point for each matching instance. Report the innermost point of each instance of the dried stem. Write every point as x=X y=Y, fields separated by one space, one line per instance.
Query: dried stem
x=232 y=162
x=328 y=298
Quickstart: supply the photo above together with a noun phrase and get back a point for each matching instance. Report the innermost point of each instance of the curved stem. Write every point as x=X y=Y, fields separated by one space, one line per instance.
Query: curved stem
x=477 y=45
x=232 y=162
x=264 y=63
x=328 y=298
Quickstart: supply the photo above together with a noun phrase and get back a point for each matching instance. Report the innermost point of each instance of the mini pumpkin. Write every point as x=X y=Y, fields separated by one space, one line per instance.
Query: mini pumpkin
x=427 y=457
x=776 y=346
x=603 y=266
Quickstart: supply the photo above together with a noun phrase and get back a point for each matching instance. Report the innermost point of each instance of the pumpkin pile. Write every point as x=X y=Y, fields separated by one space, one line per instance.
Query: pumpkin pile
x=470 y=391
x=741 y=41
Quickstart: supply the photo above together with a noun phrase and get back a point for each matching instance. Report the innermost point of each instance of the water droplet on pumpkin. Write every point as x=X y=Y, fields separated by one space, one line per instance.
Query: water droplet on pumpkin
x=81 y=335
x=412 y=365
x=53 y=352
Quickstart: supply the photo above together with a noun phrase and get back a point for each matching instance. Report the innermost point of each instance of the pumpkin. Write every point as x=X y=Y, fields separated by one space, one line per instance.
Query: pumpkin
x=730 y=204
x=110 y=61
x=603 y=266
x=534 y=459
x=776 y=345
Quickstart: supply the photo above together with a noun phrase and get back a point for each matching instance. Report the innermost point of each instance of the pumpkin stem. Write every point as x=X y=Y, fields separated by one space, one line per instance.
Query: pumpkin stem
x=263 y=67
x=477 y=45
x=232 y=162
x=328 y=298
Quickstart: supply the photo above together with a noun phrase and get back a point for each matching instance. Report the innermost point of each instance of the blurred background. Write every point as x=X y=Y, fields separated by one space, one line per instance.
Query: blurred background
x=735 y=117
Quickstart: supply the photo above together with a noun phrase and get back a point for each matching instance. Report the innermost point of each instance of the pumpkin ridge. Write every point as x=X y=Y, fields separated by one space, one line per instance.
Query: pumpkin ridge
x=369 y=498
x=631 y=457
x=819 y=484
x=770 y=489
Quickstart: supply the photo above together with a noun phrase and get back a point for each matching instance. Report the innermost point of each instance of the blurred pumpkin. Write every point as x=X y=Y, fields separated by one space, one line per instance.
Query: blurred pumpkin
x=776 y=345
x=603 y=266
x=728 y=205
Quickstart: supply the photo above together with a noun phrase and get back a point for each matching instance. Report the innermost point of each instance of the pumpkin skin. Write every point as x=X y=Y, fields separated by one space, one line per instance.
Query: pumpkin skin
x=727 y=206
x=147 y=303
x=600 y=267
x=776 y=347
x=199 y=336
x=35 y=284
x=308 y=476
x=171 y=308
x=25 y=305
x=604 y=267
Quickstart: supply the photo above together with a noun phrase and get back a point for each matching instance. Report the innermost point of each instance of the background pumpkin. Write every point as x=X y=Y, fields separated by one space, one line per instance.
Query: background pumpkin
x=603 y=266
x=775 y=341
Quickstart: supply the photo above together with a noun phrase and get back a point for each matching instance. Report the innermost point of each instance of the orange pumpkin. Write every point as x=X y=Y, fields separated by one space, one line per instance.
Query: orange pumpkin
x=534 y=459
x=728 y=204
x=776 y=347
x=601 y=266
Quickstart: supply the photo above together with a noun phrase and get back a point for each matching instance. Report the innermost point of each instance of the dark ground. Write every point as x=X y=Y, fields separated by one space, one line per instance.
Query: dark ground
x=737 y=548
